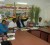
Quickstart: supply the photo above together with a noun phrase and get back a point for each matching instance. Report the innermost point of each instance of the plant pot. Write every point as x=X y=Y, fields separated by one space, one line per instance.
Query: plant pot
x=30 y=24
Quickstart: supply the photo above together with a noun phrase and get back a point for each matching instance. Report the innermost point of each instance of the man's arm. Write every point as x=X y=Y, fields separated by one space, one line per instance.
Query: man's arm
x=24 y=19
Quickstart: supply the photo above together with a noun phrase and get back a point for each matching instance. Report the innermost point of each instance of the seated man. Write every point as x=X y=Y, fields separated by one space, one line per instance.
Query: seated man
x=12 y=24
x=41 y=22
x=3 y=27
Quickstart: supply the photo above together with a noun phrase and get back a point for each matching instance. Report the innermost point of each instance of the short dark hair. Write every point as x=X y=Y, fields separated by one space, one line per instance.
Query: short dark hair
x=3 y=21
x=13 y=19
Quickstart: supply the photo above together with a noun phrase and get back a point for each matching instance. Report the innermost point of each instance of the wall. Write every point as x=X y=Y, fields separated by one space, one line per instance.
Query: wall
x=43 y=4
x=45 y=8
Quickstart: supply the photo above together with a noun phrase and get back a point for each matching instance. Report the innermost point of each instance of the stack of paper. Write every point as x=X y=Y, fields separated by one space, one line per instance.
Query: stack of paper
x=34 y=27
x=11 y=36
x=24 y=29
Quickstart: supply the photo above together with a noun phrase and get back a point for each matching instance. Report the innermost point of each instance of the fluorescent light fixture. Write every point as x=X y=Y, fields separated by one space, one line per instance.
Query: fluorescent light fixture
x=21 y=3
x=2 y=0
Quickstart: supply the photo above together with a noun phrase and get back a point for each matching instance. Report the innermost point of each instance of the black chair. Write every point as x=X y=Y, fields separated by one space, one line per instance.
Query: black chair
x=6 y=43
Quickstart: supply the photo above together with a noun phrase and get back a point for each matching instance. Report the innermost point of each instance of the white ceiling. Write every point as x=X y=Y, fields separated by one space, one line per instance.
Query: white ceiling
x=30 y=2
x=26 y=1
x=43 y=4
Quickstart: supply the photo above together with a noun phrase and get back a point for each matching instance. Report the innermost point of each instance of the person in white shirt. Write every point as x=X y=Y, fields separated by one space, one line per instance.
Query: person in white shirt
x=41 y=22
x=12 y=24
x=26 y=22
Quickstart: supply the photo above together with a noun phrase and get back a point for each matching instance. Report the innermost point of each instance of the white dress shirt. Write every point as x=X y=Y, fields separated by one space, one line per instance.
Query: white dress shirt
x=41 y=23
x=26 y=22
x=12 y=24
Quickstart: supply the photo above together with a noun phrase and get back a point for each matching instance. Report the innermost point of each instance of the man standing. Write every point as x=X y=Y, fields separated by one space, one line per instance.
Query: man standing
x=20 y=22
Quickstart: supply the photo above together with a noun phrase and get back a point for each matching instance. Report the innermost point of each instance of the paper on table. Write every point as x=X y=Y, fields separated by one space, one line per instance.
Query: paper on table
x=0 y=43
x=23 y=29
x=34 y=28
x=12 y=38
x=11 y=34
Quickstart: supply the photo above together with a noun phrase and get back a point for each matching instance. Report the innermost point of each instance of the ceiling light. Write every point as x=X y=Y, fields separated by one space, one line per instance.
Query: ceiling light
x=2 y=0
x=21 y=3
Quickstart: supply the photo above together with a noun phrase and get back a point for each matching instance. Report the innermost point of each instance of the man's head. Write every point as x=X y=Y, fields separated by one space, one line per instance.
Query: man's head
x=19 y=17
x=40 y=19
x=4 y=22
x=14 y=19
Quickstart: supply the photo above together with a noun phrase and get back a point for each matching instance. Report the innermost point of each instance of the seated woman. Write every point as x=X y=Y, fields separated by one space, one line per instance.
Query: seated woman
x=3 y=27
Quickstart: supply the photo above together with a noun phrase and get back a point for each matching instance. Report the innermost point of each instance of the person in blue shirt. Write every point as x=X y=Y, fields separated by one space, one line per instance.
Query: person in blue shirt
x=3 y=27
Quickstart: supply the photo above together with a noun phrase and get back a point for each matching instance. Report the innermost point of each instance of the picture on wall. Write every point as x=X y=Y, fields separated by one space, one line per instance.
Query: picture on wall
x=7 y=13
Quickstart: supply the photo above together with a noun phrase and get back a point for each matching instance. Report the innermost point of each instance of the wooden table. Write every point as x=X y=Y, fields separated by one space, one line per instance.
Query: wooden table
x=43 y=33
x=25 y=38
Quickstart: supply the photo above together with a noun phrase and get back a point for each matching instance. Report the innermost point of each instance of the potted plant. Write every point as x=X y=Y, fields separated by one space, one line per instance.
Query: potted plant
x=34 y=14
x=37 y=11
x=31 y=14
